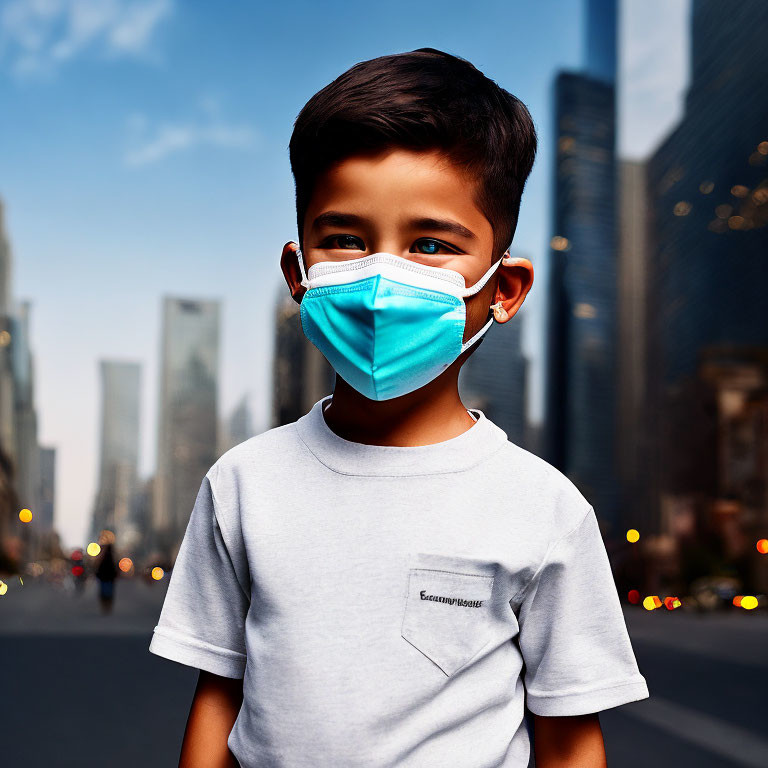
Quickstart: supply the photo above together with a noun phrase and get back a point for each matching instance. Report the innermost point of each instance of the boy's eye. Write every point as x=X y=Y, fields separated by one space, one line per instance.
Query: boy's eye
x=431 y=247
x=345 y=242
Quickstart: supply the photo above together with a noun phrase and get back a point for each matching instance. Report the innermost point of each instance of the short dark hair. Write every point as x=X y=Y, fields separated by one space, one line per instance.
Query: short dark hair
x=424 y=99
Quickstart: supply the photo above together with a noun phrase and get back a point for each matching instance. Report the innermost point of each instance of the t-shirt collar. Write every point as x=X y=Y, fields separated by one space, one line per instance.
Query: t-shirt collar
x=458 y=453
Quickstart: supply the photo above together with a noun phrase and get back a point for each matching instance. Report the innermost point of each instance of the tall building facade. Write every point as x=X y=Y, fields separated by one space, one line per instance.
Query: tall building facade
x=20 y=485
x=300 y=375
x=580 y=421
x=47 y=487
x=237 y=428
x=188 y=414
x=708 y=334
x=600 y=33
x=634 y=282
x=6 y=267
x=8 y=495
x=27 y=449
x=118 y=452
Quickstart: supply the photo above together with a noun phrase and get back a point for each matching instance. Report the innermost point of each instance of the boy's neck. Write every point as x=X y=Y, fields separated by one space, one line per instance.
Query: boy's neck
x=429 y=415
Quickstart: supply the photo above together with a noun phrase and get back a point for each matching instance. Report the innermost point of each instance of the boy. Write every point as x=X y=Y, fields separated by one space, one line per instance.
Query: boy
x=389 y=581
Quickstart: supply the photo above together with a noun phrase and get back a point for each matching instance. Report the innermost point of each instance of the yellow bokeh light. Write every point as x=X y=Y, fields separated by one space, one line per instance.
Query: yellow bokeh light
x=749 y=602
x=683 y=208
x=762 y=147
x=736 y=222
x=3 y=587
x=25 y=515
x=706 y=187
x=5 y=338
x=157 y=573
x=739 y=190
x=649 y=603
x=93 y=549
x=558 y=243
x=633 y=535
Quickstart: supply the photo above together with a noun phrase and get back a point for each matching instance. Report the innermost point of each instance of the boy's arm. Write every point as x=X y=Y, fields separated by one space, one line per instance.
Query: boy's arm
x=213 y=712
x=577 y=652
x=574 y=741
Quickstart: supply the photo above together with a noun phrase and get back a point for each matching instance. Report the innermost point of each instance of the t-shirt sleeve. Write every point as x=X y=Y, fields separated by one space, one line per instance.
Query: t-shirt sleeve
x=572 y=634
x=202 y=620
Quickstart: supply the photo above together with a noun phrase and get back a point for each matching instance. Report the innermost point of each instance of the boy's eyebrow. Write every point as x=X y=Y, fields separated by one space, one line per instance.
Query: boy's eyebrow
x=444 y=225
x=339 y=219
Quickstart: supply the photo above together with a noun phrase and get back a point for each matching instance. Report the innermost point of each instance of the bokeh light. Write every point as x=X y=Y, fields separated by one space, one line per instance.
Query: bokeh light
x=3 y=588
x=93 y=549
x=633 y=535
x=747 y=602
x=157 y=573
x=633 y=596
x=125 y=564
x=762 y=546
x=25 y=515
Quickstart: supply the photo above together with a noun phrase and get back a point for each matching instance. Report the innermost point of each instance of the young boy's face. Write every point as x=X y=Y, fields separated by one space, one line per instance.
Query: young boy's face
x=415 y=204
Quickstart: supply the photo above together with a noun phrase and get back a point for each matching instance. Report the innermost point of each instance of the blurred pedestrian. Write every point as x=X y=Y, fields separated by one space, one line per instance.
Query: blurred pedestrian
x=106 y=573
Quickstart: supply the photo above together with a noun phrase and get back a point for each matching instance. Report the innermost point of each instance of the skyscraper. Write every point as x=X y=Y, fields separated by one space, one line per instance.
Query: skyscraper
x=708 y=333
x=119 y=452
x=6 y=266
x=27 y=449
x=188 y=413
x=634 y=281
x=7 y=419
x=301 y=375
x=237 y=428
x=581 y=357
x=47 y=486
x=600 y=28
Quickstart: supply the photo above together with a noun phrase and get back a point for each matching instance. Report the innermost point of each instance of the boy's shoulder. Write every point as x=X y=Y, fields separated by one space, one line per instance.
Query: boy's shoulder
x=557 y=498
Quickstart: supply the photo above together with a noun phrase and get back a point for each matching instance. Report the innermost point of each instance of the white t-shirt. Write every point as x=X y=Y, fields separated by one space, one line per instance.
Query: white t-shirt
x=395 y=605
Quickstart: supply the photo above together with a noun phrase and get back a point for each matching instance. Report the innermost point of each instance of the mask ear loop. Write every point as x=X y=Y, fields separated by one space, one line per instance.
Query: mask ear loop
x=474 y=289
x=300 y=257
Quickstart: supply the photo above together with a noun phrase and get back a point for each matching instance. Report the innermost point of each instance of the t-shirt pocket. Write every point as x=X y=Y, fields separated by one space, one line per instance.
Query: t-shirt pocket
x=447 y=614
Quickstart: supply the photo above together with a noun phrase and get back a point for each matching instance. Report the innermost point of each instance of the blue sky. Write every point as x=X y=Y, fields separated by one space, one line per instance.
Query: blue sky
x=143 y=152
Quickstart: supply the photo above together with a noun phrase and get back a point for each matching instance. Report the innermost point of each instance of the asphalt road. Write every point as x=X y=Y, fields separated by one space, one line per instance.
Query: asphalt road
x=81 y=689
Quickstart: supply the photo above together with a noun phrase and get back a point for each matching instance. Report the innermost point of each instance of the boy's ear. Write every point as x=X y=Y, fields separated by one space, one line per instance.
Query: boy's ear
x=515 y=280
x=289 y=264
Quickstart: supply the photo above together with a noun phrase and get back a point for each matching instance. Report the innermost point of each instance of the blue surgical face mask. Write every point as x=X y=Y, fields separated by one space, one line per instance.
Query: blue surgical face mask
x=386 y=324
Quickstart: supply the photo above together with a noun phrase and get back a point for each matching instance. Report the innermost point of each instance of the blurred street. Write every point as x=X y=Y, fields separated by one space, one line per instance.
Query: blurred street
x=81 y=688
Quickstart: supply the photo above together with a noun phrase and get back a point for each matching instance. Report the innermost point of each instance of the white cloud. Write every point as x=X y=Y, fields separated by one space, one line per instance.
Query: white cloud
x=152 y=143
x=37 y=35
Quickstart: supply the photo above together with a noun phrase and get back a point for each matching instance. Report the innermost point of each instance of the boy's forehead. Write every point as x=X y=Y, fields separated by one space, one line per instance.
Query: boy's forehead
x=399 y=183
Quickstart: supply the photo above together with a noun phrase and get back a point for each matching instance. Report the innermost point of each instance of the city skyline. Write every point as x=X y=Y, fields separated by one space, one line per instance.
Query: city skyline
x=157 y=231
